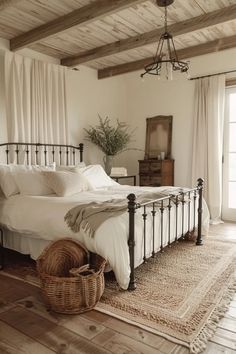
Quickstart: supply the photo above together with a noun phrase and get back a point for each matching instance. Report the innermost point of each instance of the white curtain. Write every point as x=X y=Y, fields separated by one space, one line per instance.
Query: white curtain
x=208 y=140
x=35 y=100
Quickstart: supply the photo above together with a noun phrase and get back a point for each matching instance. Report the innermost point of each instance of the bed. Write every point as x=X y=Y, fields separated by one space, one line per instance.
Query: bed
x=30 y=222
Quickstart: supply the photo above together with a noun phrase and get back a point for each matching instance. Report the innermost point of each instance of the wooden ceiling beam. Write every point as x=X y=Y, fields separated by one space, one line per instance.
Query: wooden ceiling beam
x=6 y=3
x=81 y=16
x=190 y=52
x=177 y=29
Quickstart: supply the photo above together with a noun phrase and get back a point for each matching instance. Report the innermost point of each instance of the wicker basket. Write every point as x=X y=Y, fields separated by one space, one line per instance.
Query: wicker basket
x=83 y=285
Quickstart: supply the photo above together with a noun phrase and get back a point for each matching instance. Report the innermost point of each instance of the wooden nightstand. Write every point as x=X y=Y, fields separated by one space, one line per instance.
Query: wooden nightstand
x=156 y=172
x=116 y=178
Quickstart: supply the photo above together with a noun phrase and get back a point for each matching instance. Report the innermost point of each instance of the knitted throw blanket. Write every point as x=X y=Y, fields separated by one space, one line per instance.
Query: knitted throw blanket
x=88 y=217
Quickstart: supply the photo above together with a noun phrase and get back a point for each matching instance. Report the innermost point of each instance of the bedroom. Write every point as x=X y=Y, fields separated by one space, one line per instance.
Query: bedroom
x=210 y=41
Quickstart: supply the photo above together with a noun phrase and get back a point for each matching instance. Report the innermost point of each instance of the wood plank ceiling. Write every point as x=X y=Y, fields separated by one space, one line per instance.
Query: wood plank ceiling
x=116 y=36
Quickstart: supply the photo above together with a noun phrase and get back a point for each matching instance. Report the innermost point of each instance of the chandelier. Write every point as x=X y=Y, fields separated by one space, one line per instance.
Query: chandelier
x=166 y=56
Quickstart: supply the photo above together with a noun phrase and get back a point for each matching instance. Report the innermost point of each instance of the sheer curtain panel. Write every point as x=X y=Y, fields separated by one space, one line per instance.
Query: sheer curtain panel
x=208 y=140
x=36 y=108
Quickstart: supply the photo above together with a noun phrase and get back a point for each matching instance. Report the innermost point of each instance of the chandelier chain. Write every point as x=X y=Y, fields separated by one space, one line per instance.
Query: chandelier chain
x=166 y=55
x=165 y=19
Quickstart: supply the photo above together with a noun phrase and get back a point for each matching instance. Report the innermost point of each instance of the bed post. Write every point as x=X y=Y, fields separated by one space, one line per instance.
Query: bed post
x=81 y=150
x=199 y=211
x=1 y=250
x=131 y=242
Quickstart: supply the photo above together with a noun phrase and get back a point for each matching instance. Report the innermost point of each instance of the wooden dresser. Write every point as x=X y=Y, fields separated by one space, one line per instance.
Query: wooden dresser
x=156 y=173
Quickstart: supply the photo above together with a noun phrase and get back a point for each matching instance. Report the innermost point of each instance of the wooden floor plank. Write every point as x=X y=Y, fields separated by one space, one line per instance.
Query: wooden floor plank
x=48 y=333
x=102 y=338
x=233 y=304
x=96 y=316
x=231 y=313
x=135 y=332
x=228 y=324
x=14 y=342
x=81 y=326
x=225 y=338
x=179 y=349
x=169 y=347
x=12 y=289
x=4 y=306
x=118 y=344
x=38 y=307
x=213 y=348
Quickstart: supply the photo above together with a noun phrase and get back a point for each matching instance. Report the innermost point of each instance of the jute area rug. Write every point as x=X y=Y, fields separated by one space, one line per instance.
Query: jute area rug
x=181 y=294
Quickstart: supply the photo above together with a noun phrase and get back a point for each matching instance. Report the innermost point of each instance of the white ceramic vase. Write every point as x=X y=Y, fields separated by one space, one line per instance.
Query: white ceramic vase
x=108 y=163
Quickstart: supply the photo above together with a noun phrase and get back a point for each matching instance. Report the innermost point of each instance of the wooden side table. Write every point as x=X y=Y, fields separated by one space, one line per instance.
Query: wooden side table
x=116 y=178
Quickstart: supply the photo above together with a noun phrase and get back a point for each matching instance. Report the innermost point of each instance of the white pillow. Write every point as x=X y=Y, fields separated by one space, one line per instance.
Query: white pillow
x=66 y=183
x=97 y=176
x=50 y=167
x=32 y=183
x=8 y=173
x=7 y=181
x=70 y=168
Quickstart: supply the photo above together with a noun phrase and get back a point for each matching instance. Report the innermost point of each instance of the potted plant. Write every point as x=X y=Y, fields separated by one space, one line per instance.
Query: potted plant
x=110 y=139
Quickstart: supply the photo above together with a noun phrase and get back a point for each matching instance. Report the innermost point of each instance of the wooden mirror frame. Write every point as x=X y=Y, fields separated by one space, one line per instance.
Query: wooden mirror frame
x=155 y=128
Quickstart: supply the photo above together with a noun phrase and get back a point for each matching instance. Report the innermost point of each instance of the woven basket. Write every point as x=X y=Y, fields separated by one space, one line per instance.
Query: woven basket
x=81 y=288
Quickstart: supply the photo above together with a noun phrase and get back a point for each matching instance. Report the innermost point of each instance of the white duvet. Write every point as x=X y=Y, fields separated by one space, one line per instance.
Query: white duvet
x=42 y=217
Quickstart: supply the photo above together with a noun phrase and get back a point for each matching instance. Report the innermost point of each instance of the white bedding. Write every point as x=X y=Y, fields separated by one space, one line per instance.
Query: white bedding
x=42 y=218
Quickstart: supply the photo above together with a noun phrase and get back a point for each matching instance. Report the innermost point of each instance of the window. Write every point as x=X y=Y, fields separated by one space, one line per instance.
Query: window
x=229 y=170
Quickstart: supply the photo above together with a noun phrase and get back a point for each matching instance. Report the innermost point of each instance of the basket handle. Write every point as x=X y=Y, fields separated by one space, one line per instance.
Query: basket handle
x=102 y=267
x=77 y=271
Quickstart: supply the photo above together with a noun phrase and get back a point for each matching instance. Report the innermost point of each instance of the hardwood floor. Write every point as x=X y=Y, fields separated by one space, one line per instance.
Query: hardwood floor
x=26 y=326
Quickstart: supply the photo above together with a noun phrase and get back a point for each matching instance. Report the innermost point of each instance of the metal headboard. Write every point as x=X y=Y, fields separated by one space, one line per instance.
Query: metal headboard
x=53 y=152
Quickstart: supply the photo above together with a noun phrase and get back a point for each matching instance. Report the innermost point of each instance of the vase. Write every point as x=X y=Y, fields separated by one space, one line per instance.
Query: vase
x=108 y=163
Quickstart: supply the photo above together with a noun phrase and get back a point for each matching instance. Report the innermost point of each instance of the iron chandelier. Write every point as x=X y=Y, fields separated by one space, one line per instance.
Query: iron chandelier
x=166 y=54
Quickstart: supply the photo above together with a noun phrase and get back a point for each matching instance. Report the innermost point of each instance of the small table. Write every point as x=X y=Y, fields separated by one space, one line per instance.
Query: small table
x=116 y=178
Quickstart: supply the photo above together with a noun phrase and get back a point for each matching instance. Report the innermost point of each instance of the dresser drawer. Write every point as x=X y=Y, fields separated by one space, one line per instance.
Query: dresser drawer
x=144 y=181
x=155 y=167
x=155 y=181
x=153 y=172
x=144 y=167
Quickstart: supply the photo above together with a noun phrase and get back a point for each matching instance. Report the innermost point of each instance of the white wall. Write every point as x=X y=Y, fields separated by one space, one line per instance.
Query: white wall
x=88 y=97
x=153 y=97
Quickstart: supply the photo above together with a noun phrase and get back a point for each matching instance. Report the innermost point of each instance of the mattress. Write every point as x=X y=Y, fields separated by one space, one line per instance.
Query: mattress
x=40 y=219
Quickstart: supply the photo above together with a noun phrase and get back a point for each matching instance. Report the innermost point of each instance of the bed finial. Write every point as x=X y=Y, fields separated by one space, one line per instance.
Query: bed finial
x=200 y=183
x=81 y=150
x=131 y=242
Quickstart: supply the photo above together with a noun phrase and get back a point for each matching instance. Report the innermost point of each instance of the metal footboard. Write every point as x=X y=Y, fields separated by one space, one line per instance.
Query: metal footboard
x=1 y=249
x=185 y=217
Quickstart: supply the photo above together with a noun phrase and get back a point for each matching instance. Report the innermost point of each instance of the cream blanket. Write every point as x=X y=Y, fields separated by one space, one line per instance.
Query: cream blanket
x=88 y=217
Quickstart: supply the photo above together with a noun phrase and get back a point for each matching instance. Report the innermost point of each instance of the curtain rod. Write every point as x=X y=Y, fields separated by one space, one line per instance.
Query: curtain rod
x=224 y=72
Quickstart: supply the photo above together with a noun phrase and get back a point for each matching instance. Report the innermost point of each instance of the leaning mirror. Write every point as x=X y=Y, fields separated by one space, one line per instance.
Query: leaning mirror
x=158 y=137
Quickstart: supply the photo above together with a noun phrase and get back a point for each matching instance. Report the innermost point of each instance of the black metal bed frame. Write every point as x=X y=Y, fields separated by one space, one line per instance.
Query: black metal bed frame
x=13 y=150
x=162 y=204
x=56 y=149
